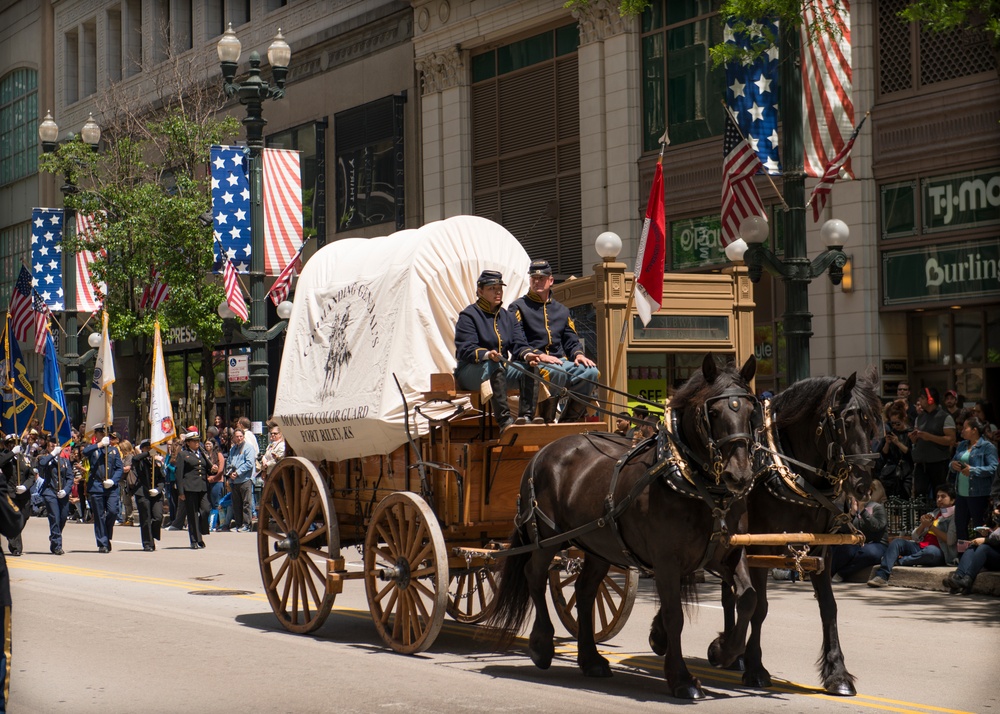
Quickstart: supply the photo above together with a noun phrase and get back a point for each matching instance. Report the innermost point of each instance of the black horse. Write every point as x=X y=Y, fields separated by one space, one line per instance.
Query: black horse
x=663 y=522
x=822 y=431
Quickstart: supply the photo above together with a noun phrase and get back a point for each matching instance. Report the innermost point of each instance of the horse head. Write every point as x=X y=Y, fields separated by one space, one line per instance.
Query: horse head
x=717 y=417
x=853 y=422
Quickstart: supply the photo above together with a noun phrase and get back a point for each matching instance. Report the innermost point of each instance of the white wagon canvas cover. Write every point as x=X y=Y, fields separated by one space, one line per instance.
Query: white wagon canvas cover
x=368 y=309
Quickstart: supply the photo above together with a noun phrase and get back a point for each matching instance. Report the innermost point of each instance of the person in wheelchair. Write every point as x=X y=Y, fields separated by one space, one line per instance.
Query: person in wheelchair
x=549 y=329
x=485 y=333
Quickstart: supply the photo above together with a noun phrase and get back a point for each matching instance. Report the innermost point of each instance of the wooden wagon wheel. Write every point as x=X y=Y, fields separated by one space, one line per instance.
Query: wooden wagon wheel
x=406 y=572
x=613 y=605
x=471 y=592
x=296 y=534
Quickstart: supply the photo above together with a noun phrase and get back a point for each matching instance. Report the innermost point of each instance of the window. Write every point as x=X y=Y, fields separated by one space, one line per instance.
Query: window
x=15 y=246
x=369 y=148
x=18 y=125
x=680 y=91
x=310 y=141
x=949 y=349
x=71 y=71
x=526 y=144
x=911 y=57
x=944 y=203
x=133 y=38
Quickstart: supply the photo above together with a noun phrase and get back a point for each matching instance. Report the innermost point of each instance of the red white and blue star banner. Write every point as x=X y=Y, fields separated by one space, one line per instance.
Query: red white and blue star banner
x=46 y=255
x=752 y=91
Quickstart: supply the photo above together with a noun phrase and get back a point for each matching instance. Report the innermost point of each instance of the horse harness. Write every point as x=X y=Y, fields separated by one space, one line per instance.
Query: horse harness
x=672 y=457
x=790 y=487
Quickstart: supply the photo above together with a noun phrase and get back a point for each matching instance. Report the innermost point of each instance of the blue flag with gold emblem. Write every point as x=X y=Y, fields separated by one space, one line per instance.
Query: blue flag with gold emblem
x=54 y=419
x=18 y=399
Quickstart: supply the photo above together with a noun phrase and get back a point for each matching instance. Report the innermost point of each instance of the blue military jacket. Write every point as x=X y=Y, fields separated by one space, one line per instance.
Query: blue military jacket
x=115 y=467
x=478 y=330
x=56 y=473
x=547 y=326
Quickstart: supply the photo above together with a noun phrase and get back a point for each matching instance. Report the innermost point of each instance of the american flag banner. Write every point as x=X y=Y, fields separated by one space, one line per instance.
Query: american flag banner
x=89 y=295
x=752 y=91
x=821 y=192
x=827 y=110
x=156 y=292
x=234 y=295
x=46 y=255
x=42 y=316
x=283 y=285
x=21 y=308
x=282 y=208
x=739 y=195
x=230 y=207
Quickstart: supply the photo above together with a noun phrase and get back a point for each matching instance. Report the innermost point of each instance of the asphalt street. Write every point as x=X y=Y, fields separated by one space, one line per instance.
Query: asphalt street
x=182 y=630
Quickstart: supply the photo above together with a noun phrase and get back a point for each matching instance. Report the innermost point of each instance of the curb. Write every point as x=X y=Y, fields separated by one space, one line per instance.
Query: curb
x=921 y=578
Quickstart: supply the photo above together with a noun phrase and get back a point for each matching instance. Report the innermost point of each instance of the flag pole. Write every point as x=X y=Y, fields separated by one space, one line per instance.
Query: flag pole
x=664 y=140
x=742 y=136
x=87 y=322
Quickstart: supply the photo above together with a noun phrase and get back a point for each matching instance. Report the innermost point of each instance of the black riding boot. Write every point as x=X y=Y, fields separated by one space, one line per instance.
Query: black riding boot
x=529 y=396
x=501 y=409
x=575 y=411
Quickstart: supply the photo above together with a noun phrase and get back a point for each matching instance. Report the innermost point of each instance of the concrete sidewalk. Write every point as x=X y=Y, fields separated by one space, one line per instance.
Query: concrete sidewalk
x=920 y=578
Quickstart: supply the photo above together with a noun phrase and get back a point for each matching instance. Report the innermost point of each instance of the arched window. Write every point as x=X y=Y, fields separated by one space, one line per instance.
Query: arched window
x=18 y=125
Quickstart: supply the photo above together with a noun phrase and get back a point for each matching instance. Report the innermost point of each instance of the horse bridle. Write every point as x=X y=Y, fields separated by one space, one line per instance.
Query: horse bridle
x=833 y=427
x=715 y=465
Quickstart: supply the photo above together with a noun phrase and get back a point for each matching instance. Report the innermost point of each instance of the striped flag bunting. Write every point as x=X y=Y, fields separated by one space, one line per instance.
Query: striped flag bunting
x=42 y=316
x=155 y=293
x=821 y=192
x=281 y=201
x=234 y=296
x=827 y=110
x=283 y=285
x=21 y=308
x=282 y=209
x=740 y=199
x=89 y=295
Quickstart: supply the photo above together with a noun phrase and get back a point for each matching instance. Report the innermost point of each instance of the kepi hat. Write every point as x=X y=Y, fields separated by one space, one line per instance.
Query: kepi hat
x=490 y=277
x=539 y=267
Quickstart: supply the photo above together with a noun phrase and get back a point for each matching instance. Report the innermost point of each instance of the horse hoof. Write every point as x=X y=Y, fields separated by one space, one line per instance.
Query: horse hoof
x=758 y=680
x=739 y=665
x=713 y=653
x=656 y=645
x=842 y=689
x=689 y=691
x=541 y=661
x=599 y=669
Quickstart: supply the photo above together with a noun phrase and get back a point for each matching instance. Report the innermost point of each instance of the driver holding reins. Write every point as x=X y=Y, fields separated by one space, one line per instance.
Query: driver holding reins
x=485 y=333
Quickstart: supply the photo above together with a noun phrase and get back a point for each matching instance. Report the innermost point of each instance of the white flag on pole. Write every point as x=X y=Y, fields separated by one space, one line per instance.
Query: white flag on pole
x=102 y=391
x=161 y=414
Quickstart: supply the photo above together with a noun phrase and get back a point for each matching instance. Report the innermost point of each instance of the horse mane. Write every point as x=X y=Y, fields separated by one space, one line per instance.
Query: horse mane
x=694 y=391
x=805 y=401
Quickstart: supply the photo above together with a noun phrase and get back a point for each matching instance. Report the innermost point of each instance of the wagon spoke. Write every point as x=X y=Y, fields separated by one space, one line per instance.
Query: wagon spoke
x=391 y=605
x=303 y=524
x=420 y=543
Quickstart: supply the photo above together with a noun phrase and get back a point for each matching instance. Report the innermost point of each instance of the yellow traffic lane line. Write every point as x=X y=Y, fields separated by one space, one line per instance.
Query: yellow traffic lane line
x=566 y=649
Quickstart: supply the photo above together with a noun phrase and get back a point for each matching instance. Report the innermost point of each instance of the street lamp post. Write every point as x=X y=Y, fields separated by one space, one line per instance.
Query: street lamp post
x=252 y=93
x=48 y=132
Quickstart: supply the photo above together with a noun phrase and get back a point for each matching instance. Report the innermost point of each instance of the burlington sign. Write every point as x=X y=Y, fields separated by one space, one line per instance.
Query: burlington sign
x=945 y=273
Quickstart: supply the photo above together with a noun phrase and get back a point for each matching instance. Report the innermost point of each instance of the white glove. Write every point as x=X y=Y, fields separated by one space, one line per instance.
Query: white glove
x=16 y=449
x=108 y=483
x=56 y=450
x=154 y=492
x=105 y=441
x=21 y=489
x=61 y=493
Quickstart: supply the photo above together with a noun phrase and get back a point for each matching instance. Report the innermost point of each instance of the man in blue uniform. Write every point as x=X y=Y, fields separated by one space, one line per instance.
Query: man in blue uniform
x=56 y=474
x=550 y=331
x=102 y=487
x=14 y=467
x=485 y=333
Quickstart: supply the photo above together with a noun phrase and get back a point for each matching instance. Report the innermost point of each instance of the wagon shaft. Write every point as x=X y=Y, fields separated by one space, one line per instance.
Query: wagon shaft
x=796 y=539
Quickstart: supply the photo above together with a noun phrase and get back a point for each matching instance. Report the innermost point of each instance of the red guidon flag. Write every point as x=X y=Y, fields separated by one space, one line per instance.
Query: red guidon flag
x=649 y=262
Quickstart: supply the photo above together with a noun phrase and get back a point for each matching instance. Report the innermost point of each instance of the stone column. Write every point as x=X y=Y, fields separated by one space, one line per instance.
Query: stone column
x=609 y=126
x=446 y=134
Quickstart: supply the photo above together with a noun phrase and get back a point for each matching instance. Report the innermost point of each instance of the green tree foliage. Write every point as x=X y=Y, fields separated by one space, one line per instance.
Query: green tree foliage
x=148 y=187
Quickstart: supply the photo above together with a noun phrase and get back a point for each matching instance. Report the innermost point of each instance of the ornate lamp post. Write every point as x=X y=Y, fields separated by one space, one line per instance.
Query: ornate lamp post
x=797 y=272
x=90 y=133
x=252 y=93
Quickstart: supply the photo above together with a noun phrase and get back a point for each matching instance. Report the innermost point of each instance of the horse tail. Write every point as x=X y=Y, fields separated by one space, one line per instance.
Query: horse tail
x=512 y=601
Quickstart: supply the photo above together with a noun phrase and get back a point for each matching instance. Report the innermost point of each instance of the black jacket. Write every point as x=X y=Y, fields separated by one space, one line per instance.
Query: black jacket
x=547 y=326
